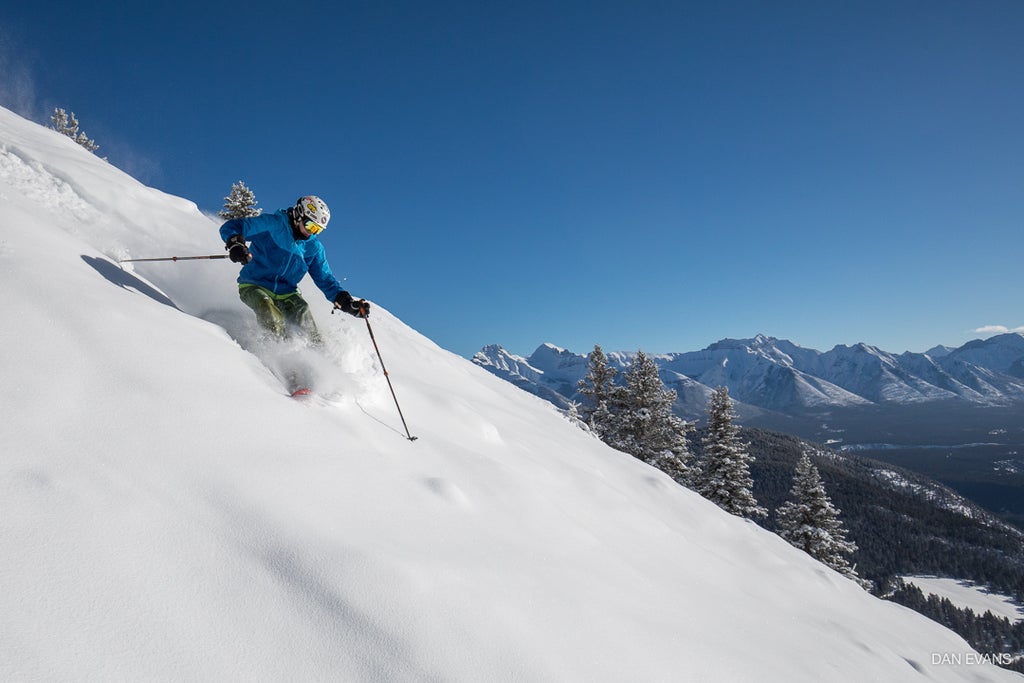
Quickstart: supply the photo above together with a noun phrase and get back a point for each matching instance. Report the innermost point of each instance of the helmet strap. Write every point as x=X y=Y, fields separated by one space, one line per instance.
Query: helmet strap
x=294 y=217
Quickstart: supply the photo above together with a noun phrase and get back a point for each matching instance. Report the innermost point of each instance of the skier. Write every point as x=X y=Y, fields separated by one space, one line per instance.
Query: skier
x=283 y=247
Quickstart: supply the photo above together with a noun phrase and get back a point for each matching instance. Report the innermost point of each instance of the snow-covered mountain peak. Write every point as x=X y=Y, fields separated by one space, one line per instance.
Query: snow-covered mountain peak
x=496 y=351
x=505 y=361
x=548 y=346
x=938 y=351
x=1000 y=353
x=729 y=344
x=860 y=348
x=746 y=351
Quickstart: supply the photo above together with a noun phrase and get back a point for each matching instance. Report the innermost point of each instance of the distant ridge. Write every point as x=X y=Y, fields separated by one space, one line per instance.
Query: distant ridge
x=768 y=374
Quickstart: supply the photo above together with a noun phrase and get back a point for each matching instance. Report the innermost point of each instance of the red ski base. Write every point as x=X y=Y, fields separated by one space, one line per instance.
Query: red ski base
x=300 y=393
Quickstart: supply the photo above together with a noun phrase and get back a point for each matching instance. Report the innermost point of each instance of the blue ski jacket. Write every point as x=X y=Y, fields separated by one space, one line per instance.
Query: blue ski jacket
x=279 y=261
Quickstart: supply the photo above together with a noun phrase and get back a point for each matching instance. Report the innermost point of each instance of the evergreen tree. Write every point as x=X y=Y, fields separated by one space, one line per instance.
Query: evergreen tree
x=598 y=388
x=602 y=422
x=643 y=423
x=241 y=203
x=724 y=473
x=68 y=125
x=810 y=522
x=62 y=124
x=572 y=413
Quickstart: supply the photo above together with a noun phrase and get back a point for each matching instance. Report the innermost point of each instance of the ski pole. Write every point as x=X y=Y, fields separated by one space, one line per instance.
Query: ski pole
x=365 y=316
x=174 y=258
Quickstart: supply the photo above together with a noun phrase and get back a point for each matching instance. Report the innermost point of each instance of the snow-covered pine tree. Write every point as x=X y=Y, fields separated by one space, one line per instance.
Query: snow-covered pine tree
x=723 y=476
x=597 y=387
x=84 y=140
x=643 y=423
x=60 y=121
x=241 y=203
x=572 y=413
x=811 y=523
x=602 y=422
x=63 y=123
x=68 y=125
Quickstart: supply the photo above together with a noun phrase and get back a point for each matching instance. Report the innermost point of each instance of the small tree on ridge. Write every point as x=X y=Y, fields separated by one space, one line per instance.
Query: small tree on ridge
x=68 y=125
x=241 y=203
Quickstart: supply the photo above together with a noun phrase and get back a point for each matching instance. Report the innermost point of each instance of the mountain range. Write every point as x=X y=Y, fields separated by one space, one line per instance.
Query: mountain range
x=768 y=374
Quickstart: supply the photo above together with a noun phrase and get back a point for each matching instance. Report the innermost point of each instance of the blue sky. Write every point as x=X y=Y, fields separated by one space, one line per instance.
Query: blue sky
x=642 y=175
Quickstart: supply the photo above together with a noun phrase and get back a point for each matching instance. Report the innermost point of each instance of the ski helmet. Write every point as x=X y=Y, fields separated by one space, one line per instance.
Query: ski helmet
x=313 y=213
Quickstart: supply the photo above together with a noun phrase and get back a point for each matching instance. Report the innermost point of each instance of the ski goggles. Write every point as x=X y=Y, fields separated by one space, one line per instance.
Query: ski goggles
x=314 y=228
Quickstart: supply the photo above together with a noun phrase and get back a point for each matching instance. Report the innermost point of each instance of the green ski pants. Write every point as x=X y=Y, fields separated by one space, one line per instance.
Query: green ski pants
x=280 y=313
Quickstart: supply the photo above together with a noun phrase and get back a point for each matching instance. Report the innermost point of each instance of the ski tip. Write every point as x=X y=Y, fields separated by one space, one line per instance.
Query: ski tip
x=301 y=393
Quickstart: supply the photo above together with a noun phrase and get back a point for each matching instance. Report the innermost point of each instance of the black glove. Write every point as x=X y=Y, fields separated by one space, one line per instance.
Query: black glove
x=237 y=251
x=359 y=308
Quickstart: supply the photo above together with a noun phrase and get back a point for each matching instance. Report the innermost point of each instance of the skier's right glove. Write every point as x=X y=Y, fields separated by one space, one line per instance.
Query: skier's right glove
x=359 y=308
x=237 y=251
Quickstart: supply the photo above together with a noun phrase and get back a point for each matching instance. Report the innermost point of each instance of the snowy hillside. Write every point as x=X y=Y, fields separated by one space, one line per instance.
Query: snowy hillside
x=168 y=513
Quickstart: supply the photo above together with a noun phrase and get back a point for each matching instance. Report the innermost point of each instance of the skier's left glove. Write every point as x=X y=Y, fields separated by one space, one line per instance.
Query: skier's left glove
x=237 y=251
x=359 y=308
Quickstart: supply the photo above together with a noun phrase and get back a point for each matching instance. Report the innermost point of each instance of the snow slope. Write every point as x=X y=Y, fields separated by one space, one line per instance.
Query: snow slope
x=167 y=513
x=968 y=595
